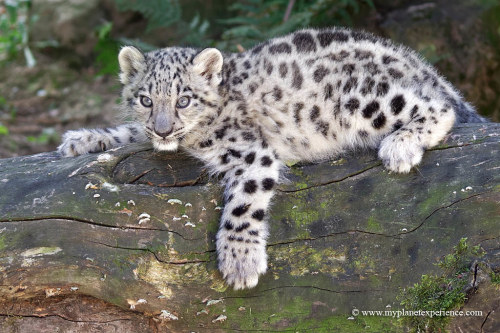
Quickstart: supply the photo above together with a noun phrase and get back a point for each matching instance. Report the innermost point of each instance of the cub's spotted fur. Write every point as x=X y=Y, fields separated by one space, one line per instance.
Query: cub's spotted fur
x=306 y=96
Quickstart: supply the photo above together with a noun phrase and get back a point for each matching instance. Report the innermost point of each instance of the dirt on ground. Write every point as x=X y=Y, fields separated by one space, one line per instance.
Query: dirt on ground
x=37 y=105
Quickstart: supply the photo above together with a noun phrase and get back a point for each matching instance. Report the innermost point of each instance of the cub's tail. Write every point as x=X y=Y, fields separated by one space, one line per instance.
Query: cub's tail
x=467 y=114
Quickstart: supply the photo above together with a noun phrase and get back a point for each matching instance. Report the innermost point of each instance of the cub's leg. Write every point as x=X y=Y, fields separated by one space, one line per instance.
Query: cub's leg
x=241 y=239
x=403 y=149
x=84 y=141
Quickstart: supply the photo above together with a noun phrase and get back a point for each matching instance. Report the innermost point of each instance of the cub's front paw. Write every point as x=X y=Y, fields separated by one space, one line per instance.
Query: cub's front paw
x=82 y=142
x=241 y=262
x=400 y=152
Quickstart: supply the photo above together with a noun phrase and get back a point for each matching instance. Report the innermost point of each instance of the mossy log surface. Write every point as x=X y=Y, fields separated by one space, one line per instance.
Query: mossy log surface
x=124 y=240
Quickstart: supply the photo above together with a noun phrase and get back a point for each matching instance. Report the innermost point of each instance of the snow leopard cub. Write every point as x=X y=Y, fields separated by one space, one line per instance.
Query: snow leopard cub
x=307 y=96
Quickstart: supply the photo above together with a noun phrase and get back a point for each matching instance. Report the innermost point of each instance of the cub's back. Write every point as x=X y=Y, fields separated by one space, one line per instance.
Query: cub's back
x=309 y=88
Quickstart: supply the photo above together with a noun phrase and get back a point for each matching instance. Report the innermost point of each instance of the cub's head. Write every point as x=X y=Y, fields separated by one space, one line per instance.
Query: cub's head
x=170 y=91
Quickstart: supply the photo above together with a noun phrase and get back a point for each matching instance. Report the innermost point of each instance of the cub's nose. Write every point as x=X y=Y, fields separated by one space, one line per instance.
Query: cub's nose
x=163 y=134
x=163 y=125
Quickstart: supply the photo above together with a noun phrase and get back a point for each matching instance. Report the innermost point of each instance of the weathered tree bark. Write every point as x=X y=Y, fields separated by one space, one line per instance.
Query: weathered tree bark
x=124 y=240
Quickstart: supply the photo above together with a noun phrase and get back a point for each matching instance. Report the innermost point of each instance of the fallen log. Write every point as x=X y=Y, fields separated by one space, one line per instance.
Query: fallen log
x=124 y=240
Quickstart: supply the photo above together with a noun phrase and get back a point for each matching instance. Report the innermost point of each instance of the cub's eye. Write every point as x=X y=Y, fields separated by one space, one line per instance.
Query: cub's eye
x=146 y=101
x=183 y=102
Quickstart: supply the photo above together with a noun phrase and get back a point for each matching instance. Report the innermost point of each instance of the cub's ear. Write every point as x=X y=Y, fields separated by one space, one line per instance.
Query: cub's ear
x=131 y=61
x=208 y=63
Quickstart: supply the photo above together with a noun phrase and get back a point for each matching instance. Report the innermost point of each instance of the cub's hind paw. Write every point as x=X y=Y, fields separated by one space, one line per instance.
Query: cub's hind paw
x=400 y=153
x=242 y=263
x=242 y=280
x=82 y=142
x=243 y=273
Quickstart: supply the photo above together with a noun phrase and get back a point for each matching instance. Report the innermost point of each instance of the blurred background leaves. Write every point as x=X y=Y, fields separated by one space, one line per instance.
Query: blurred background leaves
x=14 y=30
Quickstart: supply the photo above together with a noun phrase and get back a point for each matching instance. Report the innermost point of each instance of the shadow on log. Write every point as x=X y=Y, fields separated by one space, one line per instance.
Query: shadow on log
x=124 y=240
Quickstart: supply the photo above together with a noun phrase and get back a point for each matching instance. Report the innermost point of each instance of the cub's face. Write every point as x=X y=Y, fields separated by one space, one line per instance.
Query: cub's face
x=170 y=91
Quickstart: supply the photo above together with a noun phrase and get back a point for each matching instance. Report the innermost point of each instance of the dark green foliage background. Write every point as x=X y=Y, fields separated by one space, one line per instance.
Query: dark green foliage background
x=228 y=25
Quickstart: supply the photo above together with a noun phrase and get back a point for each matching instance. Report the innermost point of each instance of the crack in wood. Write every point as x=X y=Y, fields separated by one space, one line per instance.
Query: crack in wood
x=484 y=321
x=140 y=176
x=125 y=156
x=474 y=279
x=459 y=145
x=42 y=316
x=487 y=239
x=333 y=180
x=307 y=239
x=438 y=209
x=75 y=219
x=178 y=262
x=211 y=329
x=262 y=293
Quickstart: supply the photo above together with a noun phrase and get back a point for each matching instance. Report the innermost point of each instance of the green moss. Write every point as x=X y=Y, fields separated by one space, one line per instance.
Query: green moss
x=297 y=171
x=364 y=264
x=302 y=260
x=436 y=197
x=372 y=225
x=121 y=264
x=495 y=278
x=299 y=212
x=301 y=186
x=213 y=225
x=376 y=281
x=2 y=242
x=302 y=217
x=345 y=325
x=440 y=293
x=300 y=315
